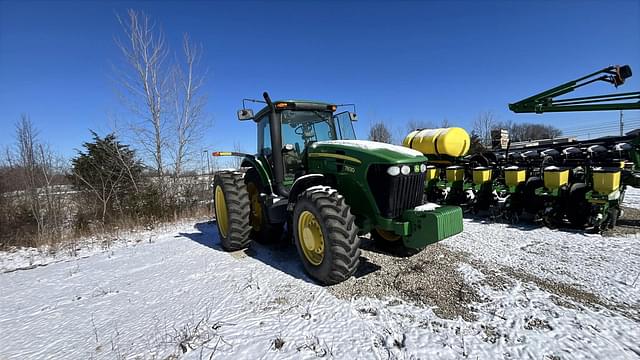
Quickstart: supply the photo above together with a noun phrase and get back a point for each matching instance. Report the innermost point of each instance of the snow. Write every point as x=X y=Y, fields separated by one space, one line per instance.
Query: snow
x=427 y=207
x=175 y=293
x=631 y=198
x=372 y=146
x=141 y=301
x=602 y=265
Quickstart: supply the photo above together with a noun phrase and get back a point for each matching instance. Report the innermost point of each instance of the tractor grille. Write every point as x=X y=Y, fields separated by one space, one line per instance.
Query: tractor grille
x=395 y=194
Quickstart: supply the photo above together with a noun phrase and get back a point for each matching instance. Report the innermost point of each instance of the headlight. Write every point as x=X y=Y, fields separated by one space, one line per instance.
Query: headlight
x=423 y=168
x=393 y=170
x=405 y=170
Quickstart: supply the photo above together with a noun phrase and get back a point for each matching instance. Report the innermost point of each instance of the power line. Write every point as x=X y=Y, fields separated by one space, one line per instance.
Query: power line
x=588 y=126
x=612 y=125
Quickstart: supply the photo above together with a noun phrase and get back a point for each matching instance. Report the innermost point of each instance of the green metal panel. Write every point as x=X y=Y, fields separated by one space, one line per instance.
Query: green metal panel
x=258 y=162
x=348 y=163
x=428 y=227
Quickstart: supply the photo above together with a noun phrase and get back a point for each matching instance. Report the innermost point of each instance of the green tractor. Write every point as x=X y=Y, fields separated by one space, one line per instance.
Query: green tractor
x=313 y=177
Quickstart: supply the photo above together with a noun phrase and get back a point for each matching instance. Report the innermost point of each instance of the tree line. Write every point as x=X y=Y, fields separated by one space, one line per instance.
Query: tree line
x=110 y=183
x=480 y=133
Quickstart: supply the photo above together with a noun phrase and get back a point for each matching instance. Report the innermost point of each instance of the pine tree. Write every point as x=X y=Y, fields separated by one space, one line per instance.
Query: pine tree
x=110 y=172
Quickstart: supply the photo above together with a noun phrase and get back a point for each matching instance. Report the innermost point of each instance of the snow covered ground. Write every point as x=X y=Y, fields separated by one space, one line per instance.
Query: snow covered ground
x=632 y=198
x=173 y=293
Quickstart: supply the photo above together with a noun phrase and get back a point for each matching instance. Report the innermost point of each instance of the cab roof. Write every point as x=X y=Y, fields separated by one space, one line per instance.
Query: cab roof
x=301 y=104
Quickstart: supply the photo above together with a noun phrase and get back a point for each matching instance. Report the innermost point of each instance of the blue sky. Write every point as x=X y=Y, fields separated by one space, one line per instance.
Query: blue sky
x=398 y=61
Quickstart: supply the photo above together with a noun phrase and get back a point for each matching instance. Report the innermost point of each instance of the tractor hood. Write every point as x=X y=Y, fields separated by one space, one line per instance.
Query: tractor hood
x=366 y=151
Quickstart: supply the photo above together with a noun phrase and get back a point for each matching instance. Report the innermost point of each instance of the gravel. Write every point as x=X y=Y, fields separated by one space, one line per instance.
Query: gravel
x=429 y=278
x=628 y=224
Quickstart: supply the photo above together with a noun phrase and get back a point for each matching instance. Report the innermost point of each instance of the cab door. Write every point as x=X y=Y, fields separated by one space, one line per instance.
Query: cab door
x=344 y=125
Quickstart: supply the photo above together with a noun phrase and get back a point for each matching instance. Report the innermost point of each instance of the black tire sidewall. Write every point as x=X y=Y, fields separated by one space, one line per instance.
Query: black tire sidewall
x=577 y=207
x=237 y=207
x=323 y=270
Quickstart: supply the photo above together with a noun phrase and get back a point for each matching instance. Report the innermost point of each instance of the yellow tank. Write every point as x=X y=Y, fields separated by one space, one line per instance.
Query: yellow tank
x=431 y=173
x=555 y=177
x=514 y=176
x=452 y=141
x=606 y=181
x=454 y=173
x=481 y=175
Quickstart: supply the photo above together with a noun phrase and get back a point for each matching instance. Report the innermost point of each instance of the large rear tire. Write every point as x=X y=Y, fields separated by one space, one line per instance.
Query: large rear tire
x=262 y=230
x=326 y=235
x=232 y=210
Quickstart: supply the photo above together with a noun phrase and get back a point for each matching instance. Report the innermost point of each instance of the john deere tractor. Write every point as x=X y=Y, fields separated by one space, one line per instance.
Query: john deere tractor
x=313 y=177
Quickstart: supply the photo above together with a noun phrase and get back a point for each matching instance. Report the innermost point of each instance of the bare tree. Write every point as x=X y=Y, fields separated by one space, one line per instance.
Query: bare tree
x=483 y=125
x=167 y=98
x=418 y=124
x=379 y=132
x=145 y=83
x=234 y=162
x=528 y=131
x=188 y=105
x=37 y=167
x=26 y=138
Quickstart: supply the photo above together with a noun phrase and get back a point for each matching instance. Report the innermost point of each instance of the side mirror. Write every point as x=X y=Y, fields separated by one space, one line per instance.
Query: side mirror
x=287 y=148
x=245 y=114
x=353 y=116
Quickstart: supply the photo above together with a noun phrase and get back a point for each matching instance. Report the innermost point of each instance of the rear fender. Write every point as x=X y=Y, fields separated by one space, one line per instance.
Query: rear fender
x=256 y=163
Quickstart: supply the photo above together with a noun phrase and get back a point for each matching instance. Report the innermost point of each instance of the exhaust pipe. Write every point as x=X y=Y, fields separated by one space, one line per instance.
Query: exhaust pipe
x=276 y=143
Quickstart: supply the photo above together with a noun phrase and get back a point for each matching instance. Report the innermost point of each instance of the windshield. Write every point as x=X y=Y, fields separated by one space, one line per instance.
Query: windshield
x=303 y=127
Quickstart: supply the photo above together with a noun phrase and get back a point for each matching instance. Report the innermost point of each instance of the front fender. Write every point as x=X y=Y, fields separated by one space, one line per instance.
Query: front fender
x=304 y=182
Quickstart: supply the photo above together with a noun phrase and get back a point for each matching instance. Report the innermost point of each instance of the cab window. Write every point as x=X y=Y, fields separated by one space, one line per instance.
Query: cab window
x=264 y=136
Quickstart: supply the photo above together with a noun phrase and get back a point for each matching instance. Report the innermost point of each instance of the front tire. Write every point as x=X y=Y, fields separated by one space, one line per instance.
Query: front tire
x=326 y=235
x=386 y=240
x=232 y=210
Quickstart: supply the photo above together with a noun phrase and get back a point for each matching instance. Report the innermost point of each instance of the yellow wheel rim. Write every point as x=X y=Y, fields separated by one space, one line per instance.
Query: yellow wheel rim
x=388 y=235
x=310 y=237
x=222 y=217
x=255 y=216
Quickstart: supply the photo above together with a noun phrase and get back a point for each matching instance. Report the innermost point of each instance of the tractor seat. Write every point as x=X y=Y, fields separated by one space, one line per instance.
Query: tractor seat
x=530 y=154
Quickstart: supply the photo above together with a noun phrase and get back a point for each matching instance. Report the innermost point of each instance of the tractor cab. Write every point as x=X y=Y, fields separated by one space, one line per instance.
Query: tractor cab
x=301 y=123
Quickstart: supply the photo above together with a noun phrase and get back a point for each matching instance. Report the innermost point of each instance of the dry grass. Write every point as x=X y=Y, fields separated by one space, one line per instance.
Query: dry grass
x=66 y=240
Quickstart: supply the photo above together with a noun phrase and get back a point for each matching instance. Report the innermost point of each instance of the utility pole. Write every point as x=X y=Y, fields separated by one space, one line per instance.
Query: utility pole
x=621 y=124
x=206 y=152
